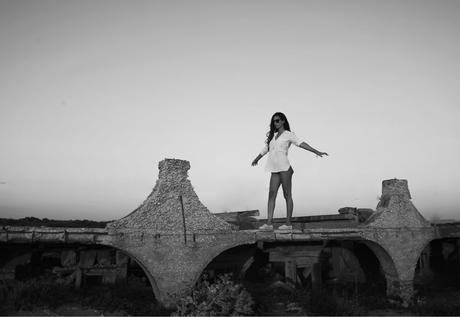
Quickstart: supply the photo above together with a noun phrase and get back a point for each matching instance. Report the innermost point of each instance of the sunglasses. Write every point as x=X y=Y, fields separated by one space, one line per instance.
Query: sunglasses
x=276 y=120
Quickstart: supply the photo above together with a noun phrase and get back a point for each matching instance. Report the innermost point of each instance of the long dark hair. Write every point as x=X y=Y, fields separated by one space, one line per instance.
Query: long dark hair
x=272 y=131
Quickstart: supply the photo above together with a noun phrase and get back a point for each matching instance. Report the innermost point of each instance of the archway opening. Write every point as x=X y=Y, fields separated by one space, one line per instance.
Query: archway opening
x=278 y=274
x=352 y=268
x=437 y=275
x=239 y=262
x=320 y=264
x=350 y=278
x=104 y=278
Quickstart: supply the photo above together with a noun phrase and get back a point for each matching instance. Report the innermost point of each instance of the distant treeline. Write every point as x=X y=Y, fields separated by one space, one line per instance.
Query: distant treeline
x=45 y=222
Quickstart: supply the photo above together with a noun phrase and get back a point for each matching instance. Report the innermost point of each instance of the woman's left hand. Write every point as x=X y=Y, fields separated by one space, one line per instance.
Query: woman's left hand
x=320 y=154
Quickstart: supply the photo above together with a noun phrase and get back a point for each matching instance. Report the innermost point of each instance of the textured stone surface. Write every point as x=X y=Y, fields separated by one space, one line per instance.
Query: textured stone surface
x=396 y=187
x=172 y=265
x=395 y=208
x=400 y=234
x=162 y=210
x=153 y=235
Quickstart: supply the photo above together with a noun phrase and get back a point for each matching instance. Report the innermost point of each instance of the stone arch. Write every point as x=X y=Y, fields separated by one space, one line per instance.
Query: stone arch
x=14 y=256
x=399 y=250
x=422 y=248
x=155 y=289
x=388 y=266
x=418 y=250
x=23 y=256
x=342 y=261
x=214 y=254
x=153 y=284
x=235 y=260
x=382 y=256
x=10 y=266
x=421 y=260
x=439 y=264
x=427 y=243
x=141 y=264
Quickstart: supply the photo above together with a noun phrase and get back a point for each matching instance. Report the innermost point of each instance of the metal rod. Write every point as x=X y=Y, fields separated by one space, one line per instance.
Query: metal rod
x=183 y=219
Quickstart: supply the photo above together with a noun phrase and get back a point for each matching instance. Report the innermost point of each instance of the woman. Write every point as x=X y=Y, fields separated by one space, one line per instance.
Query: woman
x=278 y=164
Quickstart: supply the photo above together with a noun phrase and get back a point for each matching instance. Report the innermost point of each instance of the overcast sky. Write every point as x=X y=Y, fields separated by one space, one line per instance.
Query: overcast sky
x=93 y=94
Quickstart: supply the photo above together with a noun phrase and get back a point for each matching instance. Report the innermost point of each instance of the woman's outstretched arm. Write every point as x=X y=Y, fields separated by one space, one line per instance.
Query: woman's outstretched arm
x=254 y=163
x=262 y=153
x=307 y=147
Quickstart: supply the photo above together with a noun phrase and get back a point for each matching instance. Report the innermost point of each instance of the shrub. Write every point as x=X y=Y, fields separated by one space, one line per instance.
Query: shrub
x=220 y=298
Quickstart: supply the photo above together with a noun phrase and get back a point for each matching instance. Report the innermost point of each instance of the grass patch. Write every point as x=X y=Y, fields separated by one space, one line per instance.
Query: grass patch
x=44 y=293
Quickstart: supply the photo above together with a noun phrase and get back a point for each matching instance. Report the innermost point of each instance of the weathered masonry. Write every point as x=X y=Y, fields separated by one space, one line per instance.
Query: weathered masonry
x=173 y=237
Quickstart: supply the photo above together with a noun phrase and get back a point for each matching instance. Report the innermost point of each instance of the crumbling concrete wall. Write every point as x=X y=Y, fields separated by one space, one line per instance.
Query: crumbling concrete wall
x=172 y=234
x=173 y=265
x=400 y=231
x=172 y=206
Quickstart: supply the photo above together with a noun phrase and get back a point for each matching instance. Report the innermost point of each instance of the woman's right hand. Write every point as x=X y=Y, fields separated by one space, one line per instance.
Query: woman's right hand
x=254 y=163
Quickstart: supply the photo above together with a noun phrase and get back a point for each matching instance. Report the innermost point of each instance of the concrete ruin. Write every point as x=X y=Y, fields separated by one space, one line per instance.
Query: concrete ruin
x=173 y=237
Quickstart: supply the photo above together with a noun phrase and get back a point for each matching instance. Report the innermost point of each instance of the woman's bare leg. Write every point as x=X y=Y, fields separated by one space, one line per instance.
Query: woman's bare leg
x=275 y=182
x=286 y=181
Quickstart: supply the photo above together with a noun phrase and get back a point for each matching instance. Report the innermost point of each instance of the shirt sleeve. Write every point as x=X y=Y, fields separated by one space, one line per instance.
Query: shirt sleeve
x=264 y=150
x=294 y=139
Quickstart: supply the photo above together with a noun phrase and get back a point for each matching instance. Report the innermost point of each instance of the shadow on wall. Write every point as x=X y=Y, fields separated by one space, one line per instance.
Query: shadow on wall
x=438 y=267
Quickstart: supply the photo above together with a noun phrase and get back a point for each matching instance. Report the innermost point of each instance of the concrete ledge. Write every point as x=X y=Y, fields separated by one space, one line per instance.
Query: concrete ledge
x=103 y=236
x=51 y=235
x=449 y=230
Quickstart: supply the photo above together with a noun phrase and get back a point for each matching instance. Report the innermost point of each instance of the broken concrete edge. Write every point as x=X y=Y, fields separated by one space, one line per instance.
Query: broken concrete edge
x=395 y=208
x=172 y=205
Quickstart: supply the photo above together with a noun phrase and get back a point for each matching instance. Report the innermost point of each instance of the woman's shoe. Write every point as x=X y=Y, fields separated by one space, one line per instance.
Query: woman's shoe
x=285 y=227
x=266 y=227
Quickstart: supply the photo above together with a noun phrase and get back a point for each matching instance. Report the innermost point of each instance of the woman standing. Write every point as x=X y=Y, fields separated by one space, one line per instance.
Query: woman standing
x=278 y=164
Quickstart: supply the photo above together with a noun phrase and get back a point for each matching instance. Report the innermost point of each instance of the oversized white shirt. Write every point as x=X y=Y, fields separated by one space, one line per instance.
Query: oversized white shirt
x=277 y=160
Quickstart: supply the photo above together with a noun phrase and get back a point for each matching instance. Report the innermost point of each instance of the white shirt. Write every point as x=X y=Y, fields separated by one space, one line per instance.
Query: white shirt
x=278 y=155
